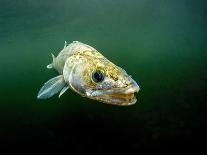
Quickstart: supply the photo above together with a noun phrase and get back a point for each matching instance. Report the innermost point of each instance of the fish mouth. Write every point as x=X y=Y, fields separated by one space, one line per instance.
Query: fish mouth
x=118 y=96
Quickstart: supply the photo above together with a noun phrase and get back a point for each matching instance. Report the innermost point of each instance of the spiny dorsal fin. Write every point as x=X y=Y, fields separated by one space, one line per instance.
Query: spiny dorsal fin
x=50 y=66
x=53 y=57
x=65 y=45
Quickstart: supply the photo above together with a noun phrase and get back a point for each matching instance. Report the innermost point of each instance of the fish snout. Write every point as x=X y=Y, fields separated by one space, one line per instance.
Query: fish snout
x=117 y=96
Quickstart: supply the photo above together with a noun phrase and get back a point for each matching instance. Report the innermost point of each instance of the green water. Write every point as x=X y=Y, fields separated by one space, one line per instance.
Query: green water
x=162 y=44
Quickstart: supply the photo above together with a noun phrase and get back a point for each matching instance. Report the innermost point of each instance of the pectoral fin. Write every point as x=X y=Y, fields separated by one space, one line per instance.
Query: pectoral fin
x=63 y=91
x=51 y=87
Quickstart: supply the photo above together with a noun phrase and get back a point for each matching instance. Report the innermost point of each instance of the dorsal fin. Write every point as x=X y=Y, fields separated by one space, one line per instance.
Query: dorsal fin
x=65 y=45
x=50 y=66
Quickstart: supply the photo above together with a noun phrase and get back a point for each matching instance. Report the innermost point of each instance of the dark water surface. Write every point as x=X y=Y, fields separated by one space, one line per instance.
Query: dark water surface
x=162 y=44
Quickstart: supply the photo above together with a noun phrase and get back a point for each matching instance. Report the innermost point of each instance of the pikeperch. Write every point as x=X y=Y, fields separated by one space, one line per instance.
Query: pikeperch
x=84 y=70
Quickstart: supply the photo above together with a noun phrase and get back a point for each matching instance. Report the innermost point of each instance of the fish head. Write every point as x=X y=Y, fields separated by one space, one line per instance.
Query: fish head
x=99 y=79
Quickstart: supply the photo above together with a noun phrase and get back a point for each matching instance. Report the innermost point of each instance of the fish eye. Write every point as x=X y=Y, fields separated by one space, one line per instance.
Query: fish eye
x=97 y=76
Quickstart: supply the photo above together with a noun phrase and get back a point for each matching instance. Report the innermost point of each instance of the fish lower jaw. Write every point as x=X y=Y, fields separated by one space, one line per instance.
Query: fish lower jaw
x=120 y=97
x=117 y=99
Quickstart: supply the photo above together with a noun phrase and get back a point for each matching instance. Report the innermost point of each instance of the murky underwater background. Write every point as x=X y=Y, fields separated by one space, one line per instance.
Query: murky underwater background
x=162 y=44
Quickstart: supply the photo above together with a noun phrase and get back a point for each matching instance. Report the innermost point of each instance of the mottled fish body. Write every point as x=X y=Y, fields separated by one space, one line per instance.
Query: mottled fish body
x=86 y=71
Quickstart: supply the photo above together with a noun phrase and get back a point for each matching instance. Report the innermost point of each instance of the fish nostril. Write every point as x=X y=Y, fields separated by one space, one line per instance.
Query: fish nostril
x=116 y=79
